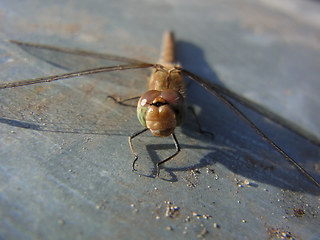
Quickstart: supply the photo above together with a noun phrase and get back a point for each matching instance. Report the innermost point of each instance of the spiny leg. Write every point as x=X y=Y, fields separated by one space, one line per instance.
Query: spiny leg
x=211 y=134
x=122 y=101
x=176 y=143
x=131 y=146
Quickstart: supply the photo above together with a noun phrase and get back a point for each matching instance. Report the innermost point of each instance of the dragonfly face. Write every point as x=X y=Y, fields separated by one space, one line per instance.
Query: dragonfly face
x=161 y=111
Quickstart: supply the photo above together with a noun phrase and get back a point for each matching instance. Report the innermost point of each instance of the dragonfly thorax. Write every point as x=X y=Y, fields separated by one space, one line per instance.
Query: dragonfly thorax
x=161 y=111
x=168 y=77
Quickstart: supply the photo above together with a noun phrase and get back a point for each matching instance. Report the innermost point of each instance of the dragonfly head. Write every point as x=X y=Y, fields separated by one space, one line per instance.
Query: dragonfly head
x=161 y=111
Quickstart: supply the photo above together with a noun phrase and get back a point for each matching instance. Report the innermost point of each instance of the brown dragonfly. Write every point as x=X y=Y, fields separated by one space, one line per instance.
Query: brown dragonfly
x=162 y=108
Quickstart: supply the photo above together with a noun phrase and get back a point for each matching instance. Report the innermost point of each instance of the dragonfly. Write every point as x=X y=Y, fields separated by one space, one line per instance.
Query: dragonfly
x=163 y=107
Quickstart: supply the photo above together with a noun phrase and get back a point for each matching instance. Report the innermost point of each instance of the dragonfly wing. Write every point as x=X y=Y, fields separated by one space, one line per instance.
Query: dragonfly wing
x=79 y=105
x=241 y=115
x=73 y=74
x=212 y=87
x=72 y=59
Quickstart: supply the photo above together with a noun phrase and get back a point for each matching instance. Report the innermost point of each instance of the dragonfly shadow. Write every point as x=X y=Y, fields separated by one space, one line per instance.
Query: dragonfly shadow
x=58 y=128
x=20 y=124
x=254 y=154
x=243 y=164
x=261 y=172
x=152 y=150
x=192 y=57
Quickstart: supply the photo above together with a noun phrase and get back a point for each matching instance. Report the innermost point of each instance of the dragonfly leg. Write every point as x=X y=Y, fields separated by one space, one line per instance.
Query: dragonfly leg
x=122 y=101
x=176 y=143
x=131 y=146
x=211 y=134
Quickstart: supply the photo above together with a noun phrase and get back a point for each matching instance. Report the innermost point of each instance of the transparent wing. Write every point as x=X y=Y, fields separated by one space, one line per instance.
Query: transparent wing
x=69 y=59
x=73 y=74
x=215 y=88
x=57 y=55
x=218 y=93
x=44 y=107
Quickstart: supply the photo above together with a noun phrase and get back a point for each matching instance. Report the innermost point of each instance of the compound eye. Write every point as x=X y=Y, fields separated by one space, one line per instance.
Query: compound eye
x=148 y=97
x=173 y=97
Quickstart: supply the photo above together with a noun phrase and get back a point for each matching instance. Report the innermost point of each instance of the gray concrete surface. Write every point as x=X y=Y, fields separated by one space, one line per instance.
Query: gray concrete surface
x=65 y=170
